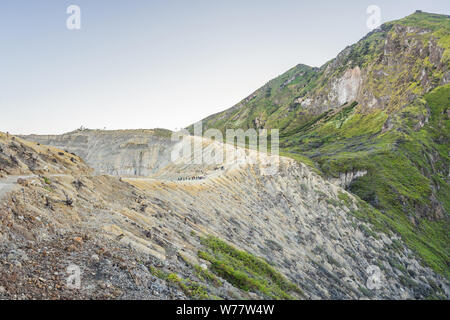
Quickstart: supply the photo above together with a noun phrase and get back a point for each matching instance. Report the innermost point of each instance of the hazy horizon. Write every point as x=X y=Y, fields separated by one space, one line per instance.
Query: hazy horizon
x=162 y=64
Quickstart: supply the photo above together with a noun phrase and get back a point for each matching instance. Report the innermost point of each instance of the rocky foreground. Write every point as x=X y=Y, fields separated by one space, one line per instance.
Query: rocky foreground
x=234 y=233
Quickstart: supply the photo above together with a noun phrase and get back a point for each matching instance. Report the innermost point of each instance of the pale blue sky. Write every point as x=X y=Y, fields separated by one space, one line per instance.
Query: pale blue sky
x=152 y=63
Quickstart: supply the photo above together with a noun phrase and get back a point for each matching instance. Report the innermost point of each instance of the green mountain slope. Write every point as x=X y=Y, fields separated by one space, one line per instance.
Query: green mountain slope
x=376 y=120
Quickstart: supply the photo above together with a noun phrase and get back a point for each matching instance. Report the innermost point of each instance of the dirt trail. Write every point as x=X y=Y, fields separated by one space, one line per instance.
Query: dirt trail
x=9 y=183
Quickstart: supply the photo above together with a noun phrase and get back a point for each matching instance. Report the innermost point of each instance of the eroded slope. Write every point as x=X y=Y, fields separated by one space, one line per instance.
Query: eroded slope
x=148 y=237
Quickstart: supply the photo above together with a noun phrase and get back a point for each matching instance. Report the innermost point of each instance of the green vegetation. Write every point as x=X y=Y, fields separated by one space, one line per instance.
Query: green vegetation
x=406 y=168
x=246 y=271
x=438 y=24
x=401 y=146
x=207 y=276
x=239 y=268
x=299 y=158
x=202 y=274
x=345 y=198
x=270 y=109
x=192 y=289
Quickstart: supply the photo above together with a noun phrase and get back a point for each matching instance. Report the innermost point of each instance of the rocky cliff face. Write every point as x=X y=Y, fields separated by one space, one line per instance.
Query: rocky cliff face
x=123 y=152
x=311 y=231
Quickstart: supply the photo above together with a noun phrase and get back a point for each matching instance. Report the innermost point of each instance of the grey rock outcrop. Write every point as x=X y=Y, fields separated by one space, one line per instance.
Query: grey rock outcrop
x=121 y=152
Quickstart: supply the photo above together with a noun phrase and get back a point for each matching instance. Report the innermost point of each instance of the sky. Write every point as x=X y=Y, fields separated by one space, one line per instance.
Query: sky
x=162 y=63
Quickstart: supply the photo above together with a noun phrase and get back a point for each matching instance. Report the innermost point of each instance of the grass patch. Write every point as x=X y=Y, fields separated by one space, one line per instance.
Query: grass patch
x=190 y=288
x=345 y=198
x=407 y=167
x=246 y=271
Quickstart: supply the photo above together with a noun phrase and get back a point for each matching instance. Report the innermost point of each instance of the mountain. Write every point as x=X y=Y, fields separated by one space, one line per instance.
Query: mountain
x=233 y=234
x=358 y=208
x=375 y=120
